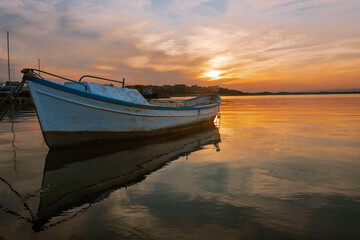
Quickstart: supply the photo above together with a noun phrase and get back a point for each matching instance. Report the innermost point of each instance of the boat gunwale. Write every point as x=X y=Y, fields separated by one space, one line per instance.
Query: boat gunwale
x=102 y=98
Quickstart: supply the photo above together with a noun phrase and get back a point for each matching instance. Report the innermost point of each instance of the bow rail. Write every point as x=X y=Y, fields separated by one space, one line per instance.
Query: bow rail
x=30 y=73
x=105 y=79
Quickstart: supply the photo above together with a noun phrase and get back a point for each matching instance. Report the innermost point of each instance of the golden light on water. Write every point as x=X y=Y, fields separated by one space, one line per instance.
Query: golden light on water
x=217 y=120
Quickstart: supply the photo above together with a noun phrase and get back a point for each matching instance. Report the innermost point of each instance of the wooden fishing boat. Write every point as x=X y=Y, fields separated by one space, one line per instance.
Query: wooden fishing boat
x=82 y=112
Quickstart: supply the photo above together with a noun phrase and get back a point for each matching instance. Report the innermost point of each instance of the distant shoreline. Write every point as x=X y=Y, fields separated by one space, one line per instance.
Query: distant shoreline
x=290 y=93
x=182 y=90
x=266 y=94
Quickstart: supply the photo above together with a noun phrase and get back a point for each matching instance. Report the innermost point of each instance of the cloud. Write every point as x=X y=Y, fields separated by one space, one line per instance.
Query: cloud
x=251 y=41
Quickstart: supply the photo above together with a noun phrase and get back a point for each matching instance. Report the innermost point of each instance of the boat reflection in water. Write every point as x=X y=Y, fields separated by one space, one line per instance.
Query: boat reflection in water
x=76 y=177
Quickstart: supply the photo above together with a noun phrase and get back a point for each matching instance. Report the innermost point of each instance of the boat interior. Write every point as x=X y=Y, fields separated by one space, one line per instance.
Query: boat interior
x=196 y=101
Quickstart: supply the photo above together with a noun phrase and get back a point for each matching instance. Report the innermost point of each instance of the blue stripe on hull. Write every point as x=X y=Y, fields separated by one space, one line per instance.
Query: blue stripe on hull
x=112 y=100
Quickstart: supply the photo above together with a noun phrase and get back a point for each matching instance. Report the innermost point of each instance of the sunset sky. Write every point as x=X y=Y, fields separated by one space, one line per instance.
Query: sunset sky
x=248 y=45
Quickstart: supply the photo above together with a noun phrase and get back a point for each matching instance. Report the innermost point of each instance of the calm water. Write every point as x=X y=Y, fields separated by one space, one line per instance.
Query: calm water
x=276 y=167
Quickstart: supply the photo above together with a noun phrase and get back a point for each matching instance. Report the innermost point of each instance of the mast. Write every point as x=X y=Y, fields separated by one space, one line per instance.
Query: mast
x=8 y=50
x=39 y=65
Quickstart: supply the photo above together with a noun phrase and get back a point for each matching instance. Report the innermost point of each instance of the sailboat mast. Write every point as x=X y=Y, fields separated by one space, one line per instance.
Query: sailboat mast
x=8 y=50
x=39 y=65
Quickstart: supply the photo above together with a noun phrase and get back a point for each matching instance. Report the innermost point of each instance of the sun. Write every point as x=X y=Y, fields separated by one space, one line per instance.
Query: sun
x=213 y=74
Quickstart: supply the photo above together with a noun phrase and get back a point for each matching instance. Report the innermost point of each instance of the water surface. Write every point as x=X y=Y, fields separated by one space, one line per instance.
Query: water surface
x=276 y=167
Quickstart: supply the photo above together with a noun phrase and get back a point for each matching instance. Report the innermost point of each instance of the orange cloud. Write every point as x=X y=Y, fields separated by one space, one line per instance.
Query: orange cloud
x=253 y=46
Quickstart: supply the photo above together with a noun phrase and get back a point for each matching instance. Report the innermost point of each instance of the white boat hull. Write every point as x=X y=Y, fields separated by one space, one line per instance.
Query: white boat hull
x=69 y=117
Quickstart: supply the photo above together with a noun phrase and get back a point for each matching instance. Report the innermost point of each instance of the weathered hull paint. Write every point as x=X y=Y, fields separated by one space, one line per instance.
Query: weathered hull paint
x=55 y=139
x=69 y=117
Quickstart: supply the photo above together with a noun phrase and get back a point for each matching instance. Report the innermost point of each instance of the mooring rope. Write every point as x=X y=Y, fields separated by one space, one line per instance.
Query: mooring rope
x=16 y=90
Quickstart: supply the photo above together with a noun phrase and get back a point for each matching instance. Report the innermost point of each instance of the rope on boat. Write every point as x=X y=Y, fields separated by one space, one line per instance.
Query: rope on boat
x=12 y=95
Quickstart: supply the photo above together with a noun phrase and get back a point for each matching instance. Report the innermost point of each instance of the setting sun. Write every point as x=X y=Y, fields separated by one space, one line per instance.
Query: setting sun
x=213 y=74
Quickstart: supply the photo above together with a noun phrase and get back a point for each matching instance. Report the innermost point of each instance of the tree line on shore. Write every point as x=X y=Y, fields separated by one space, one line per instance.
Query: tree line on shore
x=184 y=90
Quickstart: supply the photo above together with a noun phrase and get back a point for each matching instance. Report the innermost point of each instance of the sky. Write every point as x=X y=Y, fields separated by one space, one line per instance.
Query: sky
x=248 y=45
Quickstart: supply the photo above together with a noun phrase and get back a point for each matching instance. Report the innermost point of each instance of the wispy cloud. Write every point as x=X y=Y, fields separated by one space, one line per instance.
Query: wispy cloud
x=252 y=44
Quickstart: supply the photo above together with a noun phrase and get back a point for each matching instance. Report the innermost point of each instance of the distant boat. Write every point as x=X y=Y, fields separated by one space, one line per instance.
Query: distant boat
x=10 y=86
x=83 y=112
x=148 y=94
